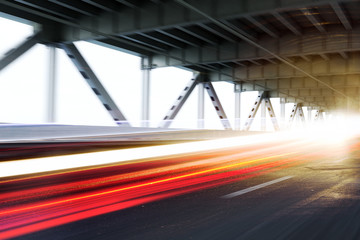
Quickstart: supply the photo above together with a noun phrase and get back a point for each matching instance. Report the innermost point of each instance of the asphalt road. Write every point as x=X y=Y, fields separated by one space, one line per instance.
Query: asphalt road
x=316 y=198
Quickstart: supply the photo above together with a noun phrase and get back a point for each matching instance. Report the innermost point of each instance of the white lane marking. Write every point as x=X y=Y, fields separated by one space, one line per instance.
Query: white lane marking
x=250 y=189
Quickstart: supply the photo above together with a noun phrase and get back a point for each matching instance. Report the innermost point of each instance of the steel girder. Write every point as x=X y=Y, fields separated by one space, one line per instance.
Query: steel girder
x=338 y=41
x=51 y=117
x=296 y=112
x=94 y=83
x=13 y=54
x=217 y=105
x=261 y=98
x=168 y=13
x=179 y=102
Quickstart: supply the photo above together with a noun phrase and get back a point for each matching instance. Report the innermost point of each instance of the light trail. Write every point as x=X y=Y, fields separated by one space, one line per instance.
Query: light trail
x=46 y=164
x=72 y=195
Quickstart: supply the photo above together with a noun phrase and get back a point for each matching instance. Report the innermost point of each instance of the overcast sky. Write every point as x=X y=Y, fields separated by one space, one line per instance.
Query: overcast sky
x=23 y=91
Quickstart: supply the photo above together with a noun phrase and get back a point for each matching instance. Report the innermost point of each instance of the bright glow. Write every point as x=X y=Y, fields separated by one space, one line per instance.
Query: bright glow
x=13 y=168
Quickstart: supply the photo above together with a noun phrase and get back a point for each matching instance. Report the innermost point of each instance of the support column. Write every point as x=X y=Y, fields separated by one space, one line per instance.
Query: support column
x=201 y=106
x=237 y=106
x=146 y=67
x=51 y=108
x=282 y=110
x=309 y=109
x=263 y=116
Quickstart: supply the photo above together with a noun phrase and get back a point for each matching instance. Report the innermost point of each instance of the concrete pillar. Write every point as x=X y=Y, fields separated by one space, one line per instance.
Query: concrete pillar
x=201 y=106
x=237 y=106
x=51 y=107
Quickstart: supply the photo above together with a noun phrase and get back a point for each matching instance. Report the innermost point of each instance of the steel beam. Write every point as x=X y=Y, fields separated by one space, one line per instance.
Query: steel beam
x=51 y=108
x=179 y=102
x=293 y=114
x=237 y=90
x=319 y=115
x=341 y=15
x=282 y=110
x=253 y=112
x=201 y=105
x=263 y=115
x=146 y=67
x=137 y=21
x=300 y=113
x=309 y=109
x=266 y=29
x=287 y=22
x=94 y=83
x=270 y=109
x=217 y=105
x=342 y=41
x=297 y=112
x=13 y=54
x=312 y=17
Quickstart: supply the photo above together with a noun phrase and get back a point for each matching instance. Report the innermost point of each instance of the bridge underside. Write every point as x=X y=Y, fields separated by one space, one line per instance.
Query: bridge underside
x=307 y=52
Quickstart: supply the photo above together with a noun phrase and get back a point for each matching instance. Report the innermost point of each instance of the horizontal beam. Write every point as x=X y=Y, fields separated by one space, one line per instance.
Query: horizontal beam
x=337 y=68
x=169 y=14
x=336 y=40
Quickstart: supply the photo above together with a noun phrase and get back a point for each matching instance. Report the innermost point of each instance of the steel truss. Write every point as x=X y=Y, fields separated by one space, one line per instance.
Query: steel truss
x=180 y=101
x=217 y=105
x=319 y=115
x=13 y=54
x=297 y=111
x=261 y=98
x=94 y=83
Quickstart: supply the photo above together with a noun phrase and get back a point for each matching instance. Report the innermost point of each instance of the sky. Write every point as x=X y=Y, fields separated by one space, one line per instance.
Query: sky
x=24 y=88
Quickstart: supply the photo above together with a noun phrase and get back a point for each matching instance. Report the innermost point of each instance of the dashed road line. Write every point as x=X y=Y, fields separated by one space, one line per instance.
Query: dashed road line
x=250 y=189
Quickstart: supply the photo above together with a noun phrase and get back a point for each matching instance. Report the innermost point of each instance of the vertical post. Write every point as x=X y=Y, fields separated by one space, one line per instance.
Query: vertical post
x=201 y=105
x=145 y=108
x=51 y=111
x=237 y=106
x=263 y=116
x=282 y=110
x=309 y=109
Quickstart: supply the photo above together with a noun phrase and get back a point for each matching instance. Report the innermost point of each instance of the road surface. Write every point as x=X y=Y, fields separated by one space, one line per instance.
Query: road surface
x=282 y=189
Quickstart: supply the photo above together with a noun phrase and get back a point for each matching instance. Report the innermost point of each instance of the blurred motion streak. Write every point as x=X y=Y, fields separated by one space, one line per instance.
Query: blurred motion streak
x=34 y=203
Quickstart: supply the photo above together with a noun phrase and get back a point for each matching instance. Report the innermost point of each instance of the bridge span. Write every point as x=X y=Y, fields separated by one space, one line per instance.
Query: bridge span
x=126 y=182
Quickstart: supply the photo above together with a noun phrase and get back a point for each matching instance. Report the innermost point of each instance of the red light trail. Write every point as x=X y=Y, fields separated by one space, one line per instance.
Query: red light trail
x=36 y=203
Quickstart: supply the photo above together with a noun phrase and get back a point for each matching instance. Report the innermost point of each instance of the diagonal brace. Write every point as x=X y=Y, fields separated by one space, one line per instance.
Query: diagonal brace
x=271 y=113
x=296 y=111
x=94 y=83
x=217 y=105
x=253 y=111
x=179 y=102
x=262 y=97
x=13 y=54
